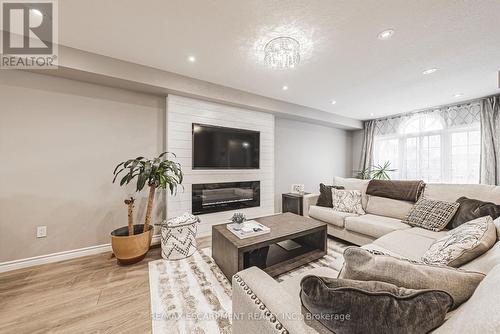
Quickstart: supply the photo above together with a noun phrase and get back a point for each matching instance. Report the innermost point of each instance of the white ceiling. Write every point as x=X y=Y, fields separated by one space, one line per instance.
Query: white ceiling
x=344 y=59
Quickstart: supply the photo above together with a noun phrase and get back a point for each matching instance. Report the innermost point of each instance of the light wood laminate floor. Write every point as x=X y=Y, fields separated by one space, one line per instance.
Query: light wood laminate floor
x=91 y=294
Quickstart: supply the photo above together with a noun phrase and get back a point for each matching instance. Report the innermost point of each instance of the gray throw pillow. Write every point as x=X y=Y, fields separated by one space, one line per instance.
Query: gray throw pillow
x=350 y=306
x=362 y=265
x=431 y=214
x=325 y=195
x=463 y=243
x=471 y=209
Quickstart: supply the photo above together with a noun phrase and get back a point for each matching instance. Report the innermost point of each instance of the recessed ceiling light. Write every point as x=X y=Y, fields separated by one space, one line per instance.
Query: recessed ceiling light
x=333 y=102
x=386 y=34
x=285 y=87
x=458 y=95
x=429 y=71
x=371 y=114
x=191 y=59
x=36 y=12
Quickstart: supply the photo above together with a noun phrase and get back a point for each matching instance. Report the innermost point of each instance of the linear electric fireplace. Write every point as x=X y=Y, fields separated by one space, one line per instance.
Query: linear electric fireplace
x=216 y=197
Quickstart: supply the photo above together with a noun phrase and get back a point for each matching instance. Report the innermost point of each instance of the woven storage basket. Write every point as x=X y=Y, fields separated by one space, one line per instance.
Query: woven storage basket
x=178 y=237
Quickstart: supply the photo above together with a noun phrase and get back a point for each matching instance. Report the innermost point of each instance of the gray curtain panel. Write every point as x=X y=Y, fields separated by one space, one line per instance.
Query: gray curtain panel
x=490 y=141
x=367 y=150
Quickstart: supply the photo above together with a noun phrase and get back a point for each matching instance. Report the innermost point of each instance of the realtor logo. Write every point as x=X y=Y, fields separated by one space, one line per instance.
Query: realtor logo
x=29 y=34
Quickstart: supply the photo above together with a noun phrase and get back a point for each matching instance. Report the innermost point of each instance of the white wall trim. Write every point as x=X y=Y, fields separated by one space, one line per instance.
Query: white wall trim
x=60 y=256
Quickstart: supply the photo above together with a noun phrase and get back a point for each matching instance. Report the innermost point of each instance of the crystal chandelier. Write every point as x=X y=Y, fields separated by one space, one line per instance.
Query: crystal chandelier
x=282 y=53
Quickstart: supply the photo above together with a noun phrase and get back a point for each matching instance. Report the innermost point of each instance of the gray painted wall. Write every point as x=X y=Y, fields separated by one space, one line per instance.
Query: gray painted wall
x=308 y=154
x=59 y=142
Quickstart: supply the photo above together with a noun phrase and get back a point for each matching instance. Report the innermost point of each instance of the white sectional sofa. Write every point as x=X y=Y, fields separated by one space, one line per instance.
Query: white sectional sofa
x=278 y=304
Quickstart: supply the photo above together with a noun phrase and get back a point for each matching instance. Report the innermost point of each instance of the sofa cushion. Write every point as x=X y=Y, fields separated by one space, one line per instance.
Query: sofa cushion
x=362 y=265
x=427 y=233
x=347 y=201
x=293 y=283
x=430 y=214
x=471 y=209
x=374 y=226
x=485 y=262
x=325 y=195
x=480 y=313
x=463 y=244
x=387 y=207
x=354 y=184
x=452 y=192
x=376 y=248
x=408 y=245
x=331 y=301
x=328 y=215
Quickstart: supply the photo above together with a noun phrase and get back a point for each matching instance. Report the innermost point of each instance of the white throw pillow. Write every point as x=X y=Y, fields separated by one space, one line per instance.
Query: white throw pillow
x=463 y=244
x=347 y=201
x=497 y=224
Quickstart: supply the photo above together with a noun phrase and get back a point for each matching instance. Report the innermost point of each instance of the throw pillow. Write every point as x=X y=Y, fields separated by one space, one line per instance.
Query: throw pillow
x=362 y=265
x=325 y=195
x=471 y=209
x=347 y=201
x=463 y=243
x=431 y=214
x=350 y=306
x=497 y=224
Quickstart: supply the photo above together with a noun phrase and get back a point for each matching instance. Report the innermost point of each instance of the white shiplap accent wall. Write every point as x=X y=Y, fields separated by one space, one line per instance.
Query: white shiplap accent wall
x=181 y=113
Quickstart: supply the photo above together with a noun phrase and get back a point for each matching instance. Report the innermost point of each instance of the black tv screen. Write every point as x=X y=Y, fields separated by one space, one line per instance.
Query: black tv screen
x=216 y=147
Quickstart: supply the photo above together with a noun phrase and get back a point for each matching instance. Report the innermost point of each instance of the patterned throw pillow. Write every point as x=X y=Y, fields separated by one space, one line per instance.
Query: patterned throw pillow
x=431 y=214
x=463 y=243
x=347 y=201
x=325 y=195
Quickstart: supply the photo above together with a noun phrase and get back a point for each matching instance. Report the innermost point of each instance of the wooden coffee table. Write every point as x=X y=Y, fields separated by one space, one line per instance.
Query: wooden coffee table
x=233 y=254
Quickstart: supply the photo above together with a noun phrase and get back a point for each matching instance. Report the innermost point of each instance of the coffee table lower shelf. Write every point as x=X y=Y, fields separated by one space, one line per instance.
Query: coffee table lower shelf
x=294 y=262
x=233 y=254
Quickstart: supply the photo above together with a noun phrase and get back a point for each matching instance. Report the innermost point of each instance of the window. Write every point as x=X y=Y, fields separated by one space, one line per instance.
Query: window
x=423 y=147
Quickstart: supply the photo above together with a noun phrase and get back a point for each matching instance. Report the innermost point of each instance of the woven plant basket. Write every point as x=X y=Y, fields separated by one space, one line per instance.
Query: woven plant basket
x=178 y=237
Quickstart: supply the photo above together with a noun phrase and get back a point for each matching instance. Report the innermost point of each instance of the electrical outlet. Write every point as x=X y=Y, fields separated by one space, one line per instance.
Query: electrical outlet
x=41 y=231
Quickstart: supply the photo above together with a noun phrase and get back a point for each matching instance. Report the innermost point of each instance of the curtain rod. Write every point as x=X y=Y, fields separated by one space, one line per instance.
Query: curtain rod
x=433 y=108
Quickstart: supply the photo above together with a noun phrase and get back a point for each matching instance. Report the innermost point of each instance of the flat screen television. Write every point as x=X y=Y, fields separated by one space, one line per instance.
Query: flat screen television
x=216 y=147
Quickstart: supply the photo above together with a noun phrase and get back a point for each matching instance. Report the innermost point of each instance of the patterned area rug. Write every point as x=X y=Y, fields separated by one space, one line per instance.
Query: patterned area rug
x=193 y=296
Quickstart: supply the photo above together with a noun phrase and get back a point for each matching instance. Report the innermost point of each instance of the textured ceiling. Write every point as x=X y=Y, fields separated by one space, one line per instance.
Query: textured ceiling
x=342 y=60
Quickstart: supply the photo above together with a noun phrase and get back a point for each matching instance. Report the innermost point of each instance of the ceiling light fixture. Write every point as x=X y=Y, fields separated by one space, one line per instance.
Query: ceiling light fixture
x=333 y=102
x=429 y=71
x=282 y=53
x=371 y=114
x=458 y=95
x=191 y=59
x=36 y=12
x=285 y=88
x=386 y=34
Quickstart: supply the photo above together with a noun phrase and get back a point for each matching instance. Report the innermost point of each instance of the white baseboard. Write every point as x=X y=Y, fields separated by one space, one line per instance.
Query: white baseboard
x=60 y=256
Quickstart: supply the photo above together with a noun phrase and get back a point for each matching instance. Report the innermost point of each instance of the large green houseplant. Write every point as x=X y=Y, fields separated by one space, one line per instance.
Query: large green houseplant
x=131 y=243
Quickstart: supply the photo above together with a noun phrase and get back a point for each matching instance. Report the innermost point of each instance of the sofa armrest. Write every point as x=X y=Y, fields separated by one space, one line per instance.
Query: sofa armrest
x=309 y=199
x=262 y=305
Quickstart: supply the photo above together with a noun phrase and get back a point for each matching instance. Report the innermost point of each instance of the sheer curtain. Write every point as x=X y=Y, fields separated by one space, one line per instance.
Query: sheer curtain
x=437 y=145
x=490 y=140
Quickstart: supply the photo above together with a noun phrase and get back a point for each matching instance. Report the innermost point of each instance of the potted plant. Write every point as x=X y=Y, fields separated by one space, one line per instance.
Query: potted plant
x=131 y=243
x=378 y=172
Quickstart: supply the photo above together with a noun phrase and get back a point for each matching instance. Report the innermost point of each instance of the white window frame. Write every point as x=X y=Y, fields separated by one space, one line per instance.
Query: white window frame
x=445 y=145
